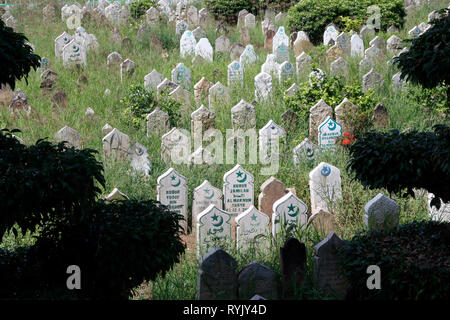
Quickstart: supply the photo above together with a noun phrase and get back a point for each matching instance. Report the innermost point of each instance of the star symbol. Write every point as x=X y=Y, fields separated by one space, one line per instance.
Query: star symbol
x=239 y=174
x=253 y=217
x=215 y=217
x=173 y=178
x=291 y=208
x=206 y=190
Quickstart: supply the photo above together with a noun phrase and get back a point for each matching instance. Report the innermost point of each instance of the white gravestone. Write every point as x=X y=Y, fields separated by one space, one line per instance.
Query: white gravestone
x=218 y=95
x=235 y=74
x=328 y=132
x=248 y=57
x=74 y=53
x=203 y=196
x=306 y=151
x=204 y=49
x=187 y=44
x=60 y=42
x=263 y=86
x=269 y=137
x=279 y=38
x=213 y=226
x=288 y=211
x=182 y=75
x=238 y=190
x=251 y=224
x=325 y=187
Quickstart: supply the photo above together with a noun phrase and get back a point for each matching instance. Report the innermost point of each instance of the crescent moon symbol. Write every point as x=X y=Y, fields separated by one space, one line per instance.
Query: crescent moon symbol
x=219 y=223
x=243 y=179
x=212 y=195
x=295 y=213
x=332 y=125
x=177 y=184
x=326 y=170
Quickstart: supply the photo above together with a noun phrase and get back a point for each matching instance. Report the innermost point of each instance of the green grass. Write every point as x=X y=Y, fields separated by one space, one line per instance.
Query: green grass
x=180 y=282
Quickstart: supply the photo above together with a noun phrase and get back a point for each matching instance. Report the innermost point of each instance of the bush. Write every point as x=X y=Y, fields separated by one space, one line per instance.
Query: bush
x=138 y=8
x=398 y=161
x=312 y=16
x=434 y=99
x=333 y=91
x=228 y=10
x=53 y=189
x=413 y=260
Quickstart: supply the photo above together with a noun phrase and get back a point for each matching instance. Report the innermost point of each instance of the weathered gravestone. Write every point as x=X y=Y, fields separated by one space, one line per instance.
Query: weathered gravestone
x=263 y=86
x=181 y=27
x=280 y=38
x=248 y=57
x=236 y=50
x=268 y=37
x=289 y=211
x=222 y=44
x=217 y=277
x=107 y=129
x=256 y=278
x=302 y=43
x=252 y=226
x=201 y=90
x=328 y=132
x=71 y=136
x=371 y=80
x=202 y=119
x=60 y=42
x=182 y=75
x=344 y=112
x=116 y=145
x=157 y=122
x=175 y=146
x=271 y=190
x=152 y=80
x=218 y=96
x=114 y=59
x=381 y=213
x=172 y=192
x=306 y=151
x=330 y=35
x=166 y=86
x=74 y=53
x=235 y=74
x=281 y=53
x=116 y=195
x=289 y=117
x=203 y=196
x=323 y=222
x=325 y=187
x=285 y=71
x=187 y=44
x=271 y=65
x=317 y=115
x=356 y=46
x=243 y=116
x=303 y=64
x=339 y=67
x=245 y=36
x=238 y=190
x=199 y=33
x=292 y=264
x=140 y=162
x=328 y=272
x=127 y=68
x=269 y=138
x=48 y=80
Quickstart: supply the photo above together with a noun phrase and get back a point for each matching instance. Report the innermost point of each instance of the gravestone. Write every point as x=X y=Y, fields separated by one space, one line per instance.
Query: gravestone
x=74 y=53
x=289 y=211
x=317 y=115
x=398 y=83
x=106 y=129
x=441 y=214
x=248 y=57
x=279 y=38
x=241 y=17
x=323 y=222
x=175 y=146
x=285 y=71
x=356 y=46
x=372 y=79
x=140 y=162
x=252 y=225
x=394 y=44
x=166 y=86
x=302 y=43
x=152 y=80
x=292 y=264
x=317 y=76
x=59 y=99
x=265 y=24
x=152 y=16
x=116 y=145
x=127 y=69
x=328 y=132
x=48 y=80
x=192 y=16
x=325 y=187
x=113 y=59
x=344 y=111
x=218 y=96
x=181 y=95
x=238 y=190
x=373 y=53
x=243 y=116
x=367 y=32
x=378 y=42
x=181 y=27
x=380 y=116
x=330 y=35
x=60 y=42
x=256 y=278
x=204 y=49
x=236 y=50
x=203 y=17
x=271 y=65
x=268 y=38
x=381 y=213
x=203 y=196
x=414 y=32
x=187 y=44
x=245 y=36
x=288 y=119
x=182 y=75
x=281 y=53
x=343 y=41
x=213 y=226
x=199 y=33
x=250 y=21
x=217 y=277
x=271 y=190
x=292 y=90
x=71 y=136
x=305 y=151
x=269 y=138
x=116 y=195
x=339 y=67
x=222 y=44
x=235 y=74
x=202 y=119
x=263 y=86
x=303 y=64
x=201 y=90
x=172 y=192
x=333 y=53
x=328 y=273
x=365 y=65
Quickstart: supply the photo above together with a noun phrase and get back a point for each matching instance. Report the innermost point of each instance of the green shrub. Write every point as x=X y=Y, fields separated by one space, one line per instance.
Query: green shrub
x=413 y=260
x=312 y=16
x=138 y=8
x=397 y=161
x=434 y=99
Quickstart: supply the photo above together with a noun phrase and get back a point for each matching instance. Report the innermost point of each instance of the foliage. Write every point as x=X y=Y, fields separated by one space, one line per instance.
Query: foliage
x=332 y=90
x=414 y=262
x=312 y=16
x=398 y=161
x=350 y=24
x=140 y=102
x=16 y=56
x=428 y=60
x=53 y=187
x=228 y=10
x=433 y=99
x=138 y=8
x=44 y=182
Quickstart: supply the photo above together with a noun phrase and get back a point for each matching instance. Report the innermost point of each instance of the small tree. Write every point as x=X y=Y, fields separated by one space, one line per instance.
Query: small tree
x=428 y=60
x=16 y=57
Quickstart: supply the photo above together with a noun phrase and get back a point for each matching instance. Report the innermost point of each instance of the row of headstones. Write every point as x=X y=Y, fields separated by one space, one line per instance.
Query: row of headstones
x=73 y=49
x=8 y=18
